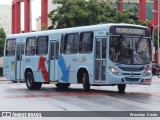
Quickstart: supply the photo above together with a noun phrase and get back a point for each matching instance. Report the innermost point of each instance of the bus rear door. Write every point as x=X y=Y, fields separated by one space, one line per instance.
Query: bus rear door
x=19 y=59
x=100 y=59
x=53 y=60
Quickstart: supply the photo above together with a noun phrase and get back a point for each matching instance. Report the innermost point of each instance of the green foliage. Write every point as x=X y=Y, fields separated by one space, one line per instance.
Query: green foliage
x=2 y=39
x=75 y=13
x=43 y=27
x=134 y=9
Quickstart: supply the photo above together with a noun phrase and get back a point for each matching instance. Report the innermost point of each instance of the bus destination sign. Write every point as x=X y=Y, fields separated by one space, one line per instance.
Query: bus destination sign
x=121 y=30
x=130 y=31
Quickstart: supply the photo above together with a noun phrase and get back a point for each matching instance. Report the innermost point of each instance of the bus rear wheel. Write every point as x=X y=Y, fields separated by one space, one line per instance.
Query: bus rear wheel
x=31 y=85
x=85 y=80
x=121 y=88
x=62 y=85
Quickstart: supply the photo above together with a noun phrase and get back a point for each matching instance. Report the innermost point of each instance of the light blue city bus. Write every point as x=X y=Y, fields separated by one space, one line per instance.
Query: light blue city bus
x=96 y=55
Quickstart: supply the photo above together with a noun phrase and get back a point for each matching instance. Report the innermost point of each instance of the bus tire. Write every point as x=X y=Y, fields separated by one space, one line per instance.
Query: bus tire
x=85 y=80
x=38 y=85
x=31 y=85
x=121 y=88
x=62 y=85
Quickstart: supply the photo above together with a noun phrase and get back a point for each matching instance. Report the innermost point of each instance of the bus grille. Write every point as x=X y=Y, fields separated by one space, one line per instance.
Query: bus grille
x=131 y=69
x=133 y=74
x=132 y=79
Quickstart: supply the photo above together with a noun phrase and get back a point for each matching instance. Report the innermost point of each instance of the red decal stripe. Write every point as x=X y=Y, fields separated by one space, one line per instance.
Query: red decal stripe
x=43 y=69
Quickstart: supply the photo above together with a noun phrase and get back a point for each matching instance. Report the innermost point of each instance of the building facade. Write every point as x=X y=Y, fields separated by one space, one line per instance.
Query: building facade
x=5 y=18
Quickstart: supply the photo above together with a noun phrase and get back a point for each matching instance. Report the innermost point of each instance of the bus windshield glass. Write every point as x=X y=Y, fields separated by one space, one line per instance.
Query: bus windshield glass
x=130 y=50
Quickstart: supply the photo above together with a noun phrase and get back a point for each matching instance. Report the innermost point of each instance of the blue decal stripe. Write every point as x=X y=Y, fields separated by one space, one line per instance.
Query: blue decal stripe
x=64 y=69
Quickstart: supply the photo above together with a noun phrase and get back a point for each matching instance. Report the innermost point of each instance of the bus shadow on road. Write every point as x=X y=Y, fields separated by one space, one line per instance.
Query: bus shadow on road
x=51 y=91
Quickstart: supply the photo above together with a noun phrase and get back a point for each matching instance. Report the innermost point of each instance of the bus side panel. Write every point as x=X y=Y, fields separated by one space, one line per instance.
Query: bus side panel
x=9 y=67
x=32 y=62
x=38 y=77
x=86 y=61
x=64 y=68
x=70 y=64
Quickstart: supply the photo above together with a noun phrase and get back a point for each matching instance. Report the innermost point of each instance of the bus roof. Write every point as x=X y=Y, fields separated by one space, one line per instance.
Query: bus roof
x=97 y=27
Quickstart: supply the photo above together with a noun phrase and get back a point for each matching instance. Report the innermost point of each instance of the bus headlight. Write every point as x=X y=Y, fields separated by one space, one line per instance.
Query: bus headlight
x=113 y=70
x=147 y=71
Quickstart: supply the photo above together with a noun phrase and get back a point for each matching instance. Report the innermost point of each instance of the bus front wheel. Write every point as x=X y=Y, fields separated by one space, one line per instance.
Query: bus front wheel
x=86 y=85
x=121 y=88
x=30 y=82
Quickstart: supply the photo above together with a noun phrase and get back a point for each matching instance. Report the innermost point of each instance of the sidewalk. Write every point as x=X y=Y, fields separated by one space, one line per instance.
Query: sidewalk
x=155 y=79
x=3 y=78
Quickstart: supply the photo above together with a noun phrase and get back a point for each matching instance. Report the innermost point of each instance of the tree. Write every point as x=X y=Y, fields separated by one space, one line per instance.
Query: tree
x=75 y=13
x=43 y=27
x=2 y=39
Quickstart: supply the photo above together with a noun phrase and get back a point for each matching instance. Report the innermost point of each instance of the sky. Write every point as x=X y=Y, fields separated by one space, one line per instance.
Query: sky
x=35 y=7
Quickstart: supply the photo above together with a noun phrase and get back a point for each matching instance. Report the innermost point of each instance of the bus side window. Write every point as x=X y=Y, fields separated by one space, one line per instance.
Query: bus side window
x=30 y=46
x=68 y=49
x=10 y=47
x=86 y=42
x=71 y=43
x=42 y=45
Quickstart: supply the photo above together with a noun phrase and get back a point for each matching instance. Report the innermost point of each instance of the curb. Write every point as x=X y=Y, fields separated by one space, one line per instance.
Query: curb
x=3 y=79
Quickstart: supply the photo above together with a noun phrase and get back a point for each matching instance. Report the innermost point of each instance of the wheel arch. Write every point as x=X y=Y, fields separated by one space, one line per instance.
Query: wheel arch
x=80 y=72
x=26 y=70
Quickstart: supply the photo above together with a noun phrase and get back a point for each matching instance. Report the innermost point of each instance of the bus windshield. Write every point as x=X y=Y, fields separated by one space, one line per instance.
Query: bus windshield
x=130 y=50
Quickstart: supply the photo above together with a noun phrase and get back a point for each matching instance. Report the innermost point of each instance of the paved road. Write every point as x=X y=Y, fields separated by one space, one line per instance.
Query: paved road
x=16 y=97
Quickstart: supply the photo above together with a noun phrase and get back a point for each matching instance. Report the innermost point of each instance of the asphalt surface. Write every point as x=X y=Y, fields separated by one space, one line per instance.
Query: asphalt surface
x=16 y=97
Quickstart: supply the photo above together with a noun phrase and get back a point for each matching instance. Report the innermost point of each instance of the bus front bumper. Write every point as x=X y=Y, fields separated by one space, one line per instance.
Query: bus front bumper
x=115 y=79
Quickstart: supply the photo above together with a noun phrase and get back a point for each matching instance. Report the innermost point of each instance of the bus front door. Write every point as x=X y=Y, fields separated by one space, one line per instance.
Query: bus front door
x=100 y=59
x=19 y=61
x=53 y=61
